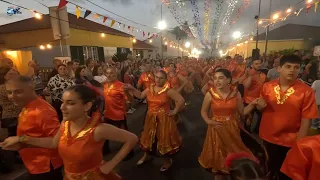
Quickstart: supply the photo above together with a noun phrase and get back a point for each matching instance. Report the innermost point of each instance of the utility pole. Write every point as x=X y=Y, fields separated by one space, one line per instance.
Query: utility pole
x=267 y=31
x=257 y=37
x=161 y=35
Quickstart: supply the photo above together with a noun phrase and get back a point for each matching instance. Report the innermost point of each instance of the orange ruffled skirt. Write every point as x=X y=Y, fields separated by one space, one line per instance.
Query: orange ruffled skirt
x=160 y=134
x=93 y=174
x=219 y=142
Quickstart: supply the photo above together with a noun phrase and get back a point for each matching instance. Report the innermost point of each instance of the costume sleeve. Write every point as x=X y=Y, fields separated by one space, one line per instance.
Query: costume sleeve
x=49 y=122
x=296 y=165
x=140 y=81
x=309 y=106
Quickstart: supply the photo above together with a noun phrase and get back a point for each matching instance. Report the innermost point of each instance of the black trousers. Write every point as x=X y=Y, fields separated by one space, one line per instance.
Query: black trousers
x=122 y=124
x=276 y=154
x=259 y=115
x=241 y=89
x=54 y=174
x=57 y=106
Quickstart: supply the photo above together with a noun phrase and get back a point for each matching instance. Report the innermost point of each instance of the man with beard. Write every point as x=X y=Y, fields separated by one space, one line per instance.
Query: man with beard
x=253 y=85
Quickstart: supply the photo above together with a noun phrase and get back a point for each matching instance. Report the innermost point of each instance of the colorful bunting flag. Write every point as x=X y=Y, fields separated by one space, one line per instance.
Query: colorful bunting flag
x=96 y=16
x=112 y=23
x=128 y=28
x=78 y=12
x=105 y=19
x=143 y=34
x=87 y=13
x=62 y=3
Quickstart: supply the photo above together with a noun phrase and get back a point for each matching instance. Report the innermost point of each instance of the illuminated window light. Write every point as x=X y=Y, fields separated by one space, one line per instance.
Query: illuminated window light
x=166 y=43
x=103 y=35
x=134 y=40
x=150 y=41
x=49 y=46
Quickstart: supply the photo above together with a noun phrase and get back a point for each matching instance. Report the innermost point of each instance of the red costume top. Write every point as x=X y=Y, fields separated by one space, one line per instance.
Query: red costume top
x=146 y=79
x=303 y=160
x=282 y=116
x=39 y=119
x=115 y=101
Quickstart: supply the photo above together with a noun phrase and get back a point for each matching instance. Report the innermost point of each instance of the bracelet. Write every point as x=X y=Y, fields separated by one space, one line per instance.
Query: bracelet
x=23 y=139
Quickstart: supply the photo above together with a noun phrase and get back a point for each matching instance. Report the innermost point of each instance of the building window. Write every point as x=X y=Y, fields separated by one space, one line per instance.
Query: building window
x=90 y=52
x=165 y=48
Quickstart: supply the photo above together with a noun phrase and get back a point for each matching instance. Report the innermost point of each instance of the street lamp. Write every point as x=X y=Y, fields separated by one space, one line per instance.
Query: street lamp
x=236 y=35
x=162 y=25
x=188 y=44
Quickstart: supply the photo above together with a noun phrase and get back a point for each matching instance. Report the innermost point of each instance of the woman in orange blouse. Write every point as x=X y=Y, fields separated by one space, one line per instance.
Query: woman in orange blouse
x=223 y=134
x=80 y=138
x=160 y=136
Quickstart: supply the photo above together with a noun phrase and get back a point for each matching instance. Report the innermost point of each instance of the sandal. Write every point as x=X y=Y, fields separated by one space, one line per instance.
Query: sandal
x=163 y=169
x=147 y=159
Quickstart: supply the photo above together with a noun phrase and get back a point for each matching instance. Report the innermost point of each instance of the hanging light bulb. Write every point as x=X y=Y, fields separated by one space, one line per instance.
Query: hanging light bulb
x=37 y=15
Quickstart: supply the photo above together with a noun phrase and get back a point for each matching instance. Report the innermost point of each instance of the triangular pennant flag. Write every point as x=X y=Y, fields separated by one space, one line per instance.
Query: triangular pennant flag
x=143 y=34
x=148 y=34
x=132 y=29
x=97 y=16
x=62 y=3
x=78 y=12
x=316 y=6
x=105 y=19
x=124 y=26
x=299 y=11
x=128 y=28
x=87 y=13
x=112 y=23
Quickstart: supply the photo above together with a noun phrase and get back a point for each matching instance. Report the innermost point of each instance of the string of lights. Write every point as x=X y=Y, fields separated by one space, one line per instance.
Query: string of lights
x=277 y=17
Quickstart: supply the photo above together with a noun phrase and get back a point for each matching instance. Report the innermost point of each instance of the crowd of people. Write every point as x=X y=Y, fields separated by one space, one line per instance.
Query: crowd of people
x=88 y=106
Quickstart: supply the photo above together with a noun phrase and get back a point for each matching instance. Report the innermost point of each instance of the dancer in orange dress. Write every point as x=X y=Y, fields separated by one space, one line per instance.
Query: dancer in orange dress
x=160 y=136
x=176 y=81
x=223 y=134
x=303 y=160
x=146 y=78
x=80 y=138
